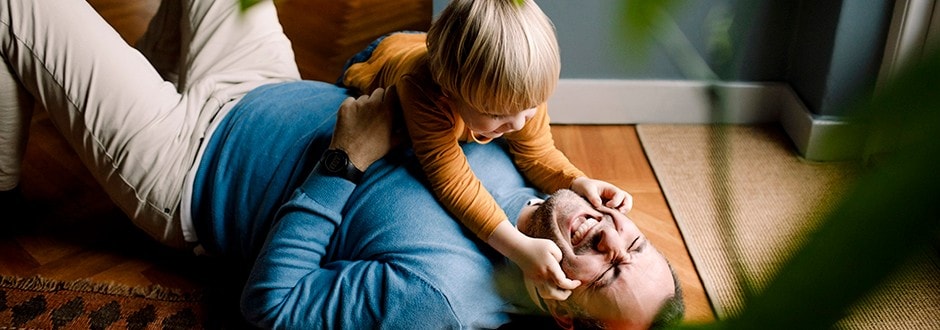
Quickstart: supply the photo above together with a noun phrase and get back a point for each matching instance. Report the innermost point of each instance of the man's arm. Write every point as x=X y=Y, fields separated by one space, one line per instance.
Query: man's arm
x=290 y=285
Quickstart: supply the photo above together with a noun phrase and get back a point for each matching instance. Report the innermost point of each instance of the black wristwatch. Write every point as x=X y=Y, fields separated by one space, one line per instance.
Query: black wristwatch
x=335 y=162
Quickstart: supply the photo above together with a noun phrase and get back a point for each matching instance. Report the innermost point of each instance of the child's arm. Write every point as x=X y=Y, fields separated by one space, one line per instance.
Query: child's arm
x=549 y=169
x=461 y=192
x=534 y=153
x=538 y=258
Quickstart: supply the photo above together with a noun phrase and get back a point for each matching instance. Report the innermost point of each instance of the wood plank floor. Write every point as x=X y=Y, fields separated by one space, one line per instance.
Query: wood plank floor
x=613 y=153
x=71 y=230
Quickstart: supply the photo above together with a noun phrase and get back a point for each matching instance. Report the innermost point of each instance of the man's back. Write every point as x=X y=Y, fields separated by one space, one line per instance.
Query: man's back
x=392 y=218
x=389 y=257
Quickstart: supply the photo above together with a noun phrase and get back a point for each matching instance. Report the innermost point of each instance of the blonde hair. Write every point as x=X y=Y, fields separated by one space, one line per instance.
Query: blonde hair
x=500 y=56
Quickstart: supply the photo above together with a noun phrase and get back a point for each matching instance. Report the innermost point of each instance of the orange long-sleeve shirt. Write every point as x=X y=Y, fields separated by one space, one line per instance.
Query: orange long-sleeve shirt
x=436 y=132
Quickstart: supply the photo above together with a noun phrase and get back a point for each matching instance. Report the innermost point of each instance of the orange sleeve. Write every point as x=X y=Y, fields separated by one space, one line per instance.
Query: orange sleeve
x=435 y=135
x=397 y=55
x=535 y=155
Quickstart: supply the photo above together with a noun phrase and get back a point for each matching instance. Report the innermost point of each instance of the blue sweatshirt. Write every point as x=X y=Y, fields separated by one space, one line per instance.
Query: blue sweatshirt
x=329 y=254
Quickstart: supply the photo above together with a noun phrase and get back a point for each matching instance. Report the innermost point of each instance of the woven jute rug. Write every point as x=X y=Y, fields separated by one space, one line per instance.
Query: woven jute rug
x=744 y=200
x=41 y=303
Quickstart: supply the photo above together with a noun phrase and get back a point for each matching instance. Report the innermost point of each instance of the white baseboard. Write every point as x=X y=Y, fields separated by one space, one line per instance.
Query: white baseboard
x=594 y=101
x=820 y=138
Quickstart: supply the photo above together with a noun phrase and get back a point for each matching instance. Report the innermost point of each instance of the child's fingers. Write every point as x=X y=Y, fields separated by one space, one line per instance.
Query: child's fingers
x=621 y=201
x=554 y=251
x=616 y=200
x=566 y=283
x=561 y=279
x=561 y=288
x=595 y=200
x=548 y=291
x=627 y=204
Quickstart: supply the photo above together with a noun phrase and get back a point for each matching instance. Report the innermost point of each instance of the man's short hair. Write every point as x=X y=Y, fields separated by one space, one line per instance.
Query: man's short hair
x=673 y=310
x=671 y=313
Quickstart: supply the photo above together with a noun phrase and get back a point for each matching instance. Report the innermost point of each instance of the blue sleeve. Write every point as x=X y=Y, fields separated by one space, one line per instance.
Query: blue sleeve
x=294 y=284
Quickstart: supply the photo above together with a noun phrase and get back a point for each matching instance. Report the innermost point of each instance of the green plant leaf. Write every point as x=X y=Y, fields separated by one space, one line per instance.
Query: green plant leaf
x=245 y=4
x=886 y=217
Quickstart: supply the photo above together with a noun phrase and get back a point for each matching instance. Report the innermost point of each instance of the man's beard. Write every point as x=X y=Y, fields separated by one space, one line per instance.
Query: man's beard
x=543 y=223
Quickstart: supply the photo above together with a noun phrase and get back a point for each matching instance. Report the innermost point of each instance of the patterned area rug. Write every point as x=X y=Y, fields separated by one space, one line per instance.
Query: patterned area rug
x=40 y=303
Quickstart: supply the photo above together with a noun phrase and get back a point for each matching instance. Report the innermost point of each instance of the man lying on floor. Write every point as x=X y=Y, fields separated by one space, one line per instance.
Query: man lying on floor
x=217 y=143
x=383 y=252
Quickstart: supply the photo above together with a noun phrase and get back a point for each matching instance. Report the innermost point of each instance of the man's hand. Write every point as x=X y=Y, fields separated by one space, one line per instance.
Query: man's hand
x=364 y=127
x=601 y=193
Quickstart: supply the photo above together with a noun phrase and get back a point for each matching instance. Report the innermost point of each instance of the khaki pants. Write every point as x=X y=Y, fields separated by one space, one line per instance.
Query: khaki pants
x=137 y=117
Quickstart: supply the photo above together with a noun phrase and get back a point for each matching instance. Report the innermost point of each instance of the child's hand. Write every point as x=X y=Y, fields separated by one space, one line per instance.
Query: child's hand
x=539 y=259
x=601 y=193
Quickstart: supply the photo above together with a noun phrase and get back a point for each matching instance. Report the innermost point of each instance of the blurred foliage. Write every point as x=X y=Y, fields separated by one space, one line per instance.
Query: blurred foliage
x=247 y=3
x=643 y=20
x=888 y=215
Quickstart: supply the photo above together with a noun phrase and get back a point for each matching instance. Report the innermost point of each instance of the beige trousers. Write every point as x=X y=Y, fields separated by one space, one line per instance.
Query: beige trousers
x=137 y=117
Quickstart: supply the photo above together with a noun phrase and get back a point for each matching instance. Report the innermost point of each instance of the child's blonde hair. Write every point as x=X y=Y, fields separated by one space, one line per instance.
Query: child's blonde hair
x=500 y=56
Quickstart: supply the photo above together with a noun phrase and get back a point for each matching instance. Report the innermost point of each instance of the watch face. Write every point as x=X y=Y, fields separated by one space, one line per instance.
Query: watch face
x=335 y=161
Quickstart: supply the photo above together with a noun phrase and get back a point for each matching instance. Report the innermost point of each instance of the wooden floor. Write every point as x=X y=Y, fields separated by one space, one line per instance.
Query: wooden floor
x=71 y=230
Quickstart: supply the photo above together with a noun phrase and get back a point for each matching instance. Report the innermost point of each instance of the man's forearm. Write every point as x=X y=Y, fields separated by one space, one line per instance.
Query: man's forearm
x=292 y=255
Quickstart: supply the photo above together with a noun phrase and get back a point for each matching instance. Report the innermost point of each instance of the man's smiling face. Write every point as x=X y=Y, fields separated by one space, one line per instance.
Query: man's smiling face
x=625 y=280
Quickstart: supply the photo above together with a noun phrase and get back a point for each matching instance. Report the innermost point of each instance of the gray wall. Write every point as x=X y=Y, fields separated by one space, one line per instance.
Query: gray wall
x=836 y=52
x=829 y=51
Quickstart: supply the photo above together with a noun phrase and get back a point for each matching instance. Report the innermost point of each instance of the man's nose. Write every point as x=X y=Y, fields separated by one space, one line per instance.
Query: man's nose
x=610 y=242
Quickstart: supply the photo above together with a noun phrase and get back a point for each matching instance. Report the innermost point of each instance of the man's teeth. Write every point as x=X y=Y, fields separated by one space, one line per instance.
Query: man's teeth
x=582 y=230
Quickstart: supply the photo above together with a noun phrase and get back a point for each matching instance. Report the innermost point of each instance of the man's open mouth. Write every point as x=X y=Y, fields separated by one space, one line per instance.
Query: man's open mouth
x=580 y=227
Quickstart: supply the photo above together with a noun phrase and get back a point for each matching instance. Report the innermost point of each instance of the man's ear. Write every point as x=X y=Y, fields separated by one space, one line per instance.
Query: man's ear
x=561 y=314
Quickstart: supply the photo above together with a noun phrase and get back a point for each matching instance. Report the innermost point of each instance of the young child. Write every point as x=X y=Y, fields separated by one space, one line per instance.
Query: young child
x=484 y=70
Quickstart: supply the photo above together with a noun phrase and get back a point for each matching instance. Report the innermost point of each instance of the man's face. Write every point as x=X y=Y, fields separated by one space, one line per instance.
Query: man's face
x=624 y=279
